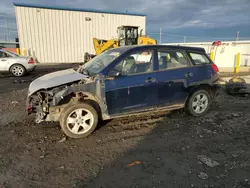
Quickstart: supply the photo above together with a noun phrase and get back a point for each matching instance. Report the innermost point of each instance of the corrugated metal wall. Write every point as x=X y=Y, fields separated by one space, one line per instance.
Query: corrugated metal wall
x=60 y=36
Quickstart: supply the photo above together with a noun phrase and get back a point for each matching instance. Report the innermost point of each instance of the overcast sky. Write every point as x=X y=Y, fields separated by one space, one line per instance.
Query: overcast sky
x=196 y=19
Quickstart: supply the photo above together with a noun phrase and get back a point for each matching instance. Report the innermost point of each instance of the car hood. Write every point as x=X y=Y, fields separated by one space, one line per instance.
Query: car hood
x=55 y=79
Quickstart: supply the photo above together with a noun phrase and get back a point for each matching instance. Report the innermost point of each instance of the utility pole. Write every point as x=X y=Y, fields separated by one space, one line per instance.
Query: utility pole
x=7 y=29
x=160 y=34
x=185 y=39
x=238 y=35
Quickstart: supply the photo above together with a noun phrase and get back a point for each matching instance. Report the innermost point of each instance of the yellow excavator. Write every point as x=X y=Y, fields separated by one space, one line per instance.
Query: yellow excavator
x=127 y=35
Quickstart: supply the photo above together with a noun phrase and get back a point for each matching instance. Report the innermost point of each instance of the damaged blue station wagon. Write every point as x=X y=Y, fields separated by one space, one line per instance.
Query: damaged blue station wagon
x=125 y=81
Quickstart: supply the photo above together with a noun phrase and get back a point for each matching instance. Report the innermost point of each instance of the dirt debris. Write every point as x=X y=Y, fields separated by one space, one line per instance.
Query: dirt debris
x=62 y=140
x=208 y=161
x=203 y=175
x=14 y=102
x=134 y=163
x=166 y=144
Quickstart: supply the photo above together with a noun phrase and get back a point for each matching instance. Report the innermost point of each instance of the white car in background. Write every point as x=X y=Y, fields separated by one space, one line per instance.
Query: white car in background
x=15 y=64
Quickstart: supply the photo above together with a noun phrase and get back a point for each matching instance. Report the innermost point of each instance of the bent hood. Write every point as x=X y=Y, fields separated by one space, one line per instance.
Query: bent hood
x=55 y=79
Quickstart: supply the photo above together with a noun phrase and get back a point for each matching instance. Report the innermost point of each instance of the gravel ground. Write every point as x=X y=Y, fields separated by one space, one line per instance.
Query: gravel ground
x=156 y=150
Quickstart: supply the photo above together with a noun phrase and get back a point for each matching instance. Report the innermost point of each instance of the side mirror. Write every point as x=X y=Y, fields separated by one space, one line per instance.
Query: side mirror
x=113 y=73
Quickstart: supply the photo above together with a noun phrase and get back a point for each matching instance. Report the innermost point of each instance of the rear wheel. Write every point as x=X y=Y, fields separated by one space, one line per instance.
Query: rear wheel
x=17 y=70
x=198 y=103
x=79 y=120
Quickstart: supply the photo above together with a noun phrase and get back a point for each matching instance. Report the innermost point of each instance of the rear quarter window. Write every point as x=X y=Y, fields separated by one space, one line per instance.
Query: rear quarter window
x=199 y=59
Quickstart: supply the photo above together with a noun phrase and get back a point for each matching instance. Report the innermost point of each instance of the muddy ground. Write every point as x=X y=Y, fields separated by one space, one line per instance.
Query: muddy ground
x=156 y=150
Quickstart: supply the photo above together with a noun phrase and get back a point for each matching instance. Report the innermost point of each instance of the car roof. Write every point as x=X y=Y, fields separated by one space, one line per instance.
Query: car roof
x=176 y=47
x=3 y=50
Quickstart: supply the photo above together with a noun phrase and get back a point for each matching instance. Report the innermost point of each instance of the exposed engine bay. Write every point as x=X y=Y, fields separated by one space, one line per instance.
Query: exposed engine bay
x=43 y=102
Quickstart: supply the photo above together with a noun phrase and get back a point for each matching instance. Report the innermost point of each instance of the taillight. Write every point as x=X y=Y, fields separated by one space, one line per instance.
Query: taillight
x=31 y=61
x=214 y=67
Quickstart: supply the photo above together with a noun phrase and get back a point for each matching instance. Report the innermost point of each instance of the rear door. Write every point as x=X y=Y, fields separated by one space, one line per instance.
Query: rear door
x=202 y=70
x=136 y=88
x=4 y=61
x=175 y=69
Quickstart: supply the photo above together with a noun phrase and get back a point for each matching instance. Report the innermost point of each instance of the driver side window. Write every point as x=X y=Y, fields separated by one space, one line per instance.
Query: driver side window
x=136 y=63
x=3 y=55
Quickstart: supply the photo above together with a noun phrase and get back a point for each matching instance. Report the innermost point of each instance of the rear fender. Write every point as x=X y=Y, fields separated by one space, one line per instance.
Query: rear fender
x=195 y=88
x=213 y=90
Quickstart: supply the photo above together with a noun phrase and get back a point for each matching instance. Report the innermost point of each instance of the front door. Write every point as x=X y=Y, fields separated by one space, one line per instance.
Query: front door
x=174 y=71
x=136 y=87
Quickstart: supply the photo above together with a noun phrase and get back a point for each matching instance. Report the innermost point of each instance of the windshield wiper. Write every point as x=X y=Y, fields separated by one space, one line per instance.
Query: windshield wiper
x=86 y=71
x=83 y=71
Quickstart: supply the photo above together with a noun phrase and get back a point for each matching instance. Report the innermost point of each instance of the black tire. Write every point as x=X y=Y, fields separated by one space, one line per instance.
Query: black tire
x=17 y=70
x=189 y=104
x=67 y=113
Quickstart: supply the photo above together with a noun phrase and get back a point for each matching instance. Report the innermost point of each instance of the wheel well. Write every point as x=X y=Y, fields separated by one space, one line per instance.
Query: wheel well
x=16 y=64
x=93 y=104
x=193 y=89
x=206 y=87
x=83 y=97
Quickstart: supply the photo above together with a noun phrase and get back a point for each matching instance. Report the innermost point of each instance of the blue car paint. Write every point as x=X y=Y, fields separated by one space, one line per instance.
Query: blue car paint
x=128 y=93
x=173 y=85
x=131 y=93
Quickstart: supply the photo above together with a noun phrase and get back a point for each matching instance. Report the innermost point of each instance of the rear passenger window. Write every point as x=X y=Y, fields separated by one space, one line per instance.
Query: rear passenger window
x=171 y=59
x=199 y=59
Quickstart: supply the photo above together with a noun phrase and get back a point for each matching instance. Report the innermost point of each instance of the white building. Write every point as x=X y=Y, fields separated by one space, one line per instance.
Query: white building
x=55 y=34
x=224 y=54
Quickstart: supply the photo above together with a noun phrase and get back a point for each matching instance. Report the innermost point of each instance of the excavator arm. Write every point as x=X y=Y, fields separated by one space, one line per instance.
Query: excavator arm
x=103 y=45
x=100 y=46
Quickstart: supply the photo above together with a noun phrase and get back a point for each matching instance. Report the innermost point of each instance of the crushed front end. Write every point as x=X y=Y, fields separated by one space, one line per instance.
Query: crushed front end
x=43 y=103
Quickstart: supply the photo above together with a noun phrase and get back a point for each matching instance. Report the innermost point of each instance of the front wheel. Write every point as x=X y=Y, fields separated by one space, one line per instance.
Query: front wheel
x=79 y=120
x=198 y=103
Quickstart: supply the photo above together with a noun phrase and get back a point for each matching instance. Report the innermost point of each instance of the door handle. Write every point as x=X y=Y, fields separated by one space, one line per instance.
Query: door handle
x=189 y=74
x=4 y=60
x=150 y=80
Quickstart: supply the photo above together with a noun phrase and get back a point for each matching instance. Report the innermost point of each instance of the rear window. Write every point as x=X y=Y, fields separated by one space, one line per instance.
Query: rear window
x=199 y=59
x=169 y=59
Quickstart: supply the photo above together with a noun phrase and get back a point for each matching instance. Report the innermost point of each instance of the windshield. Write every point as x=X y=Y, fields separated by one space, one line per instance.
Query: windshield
x=98 y=63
